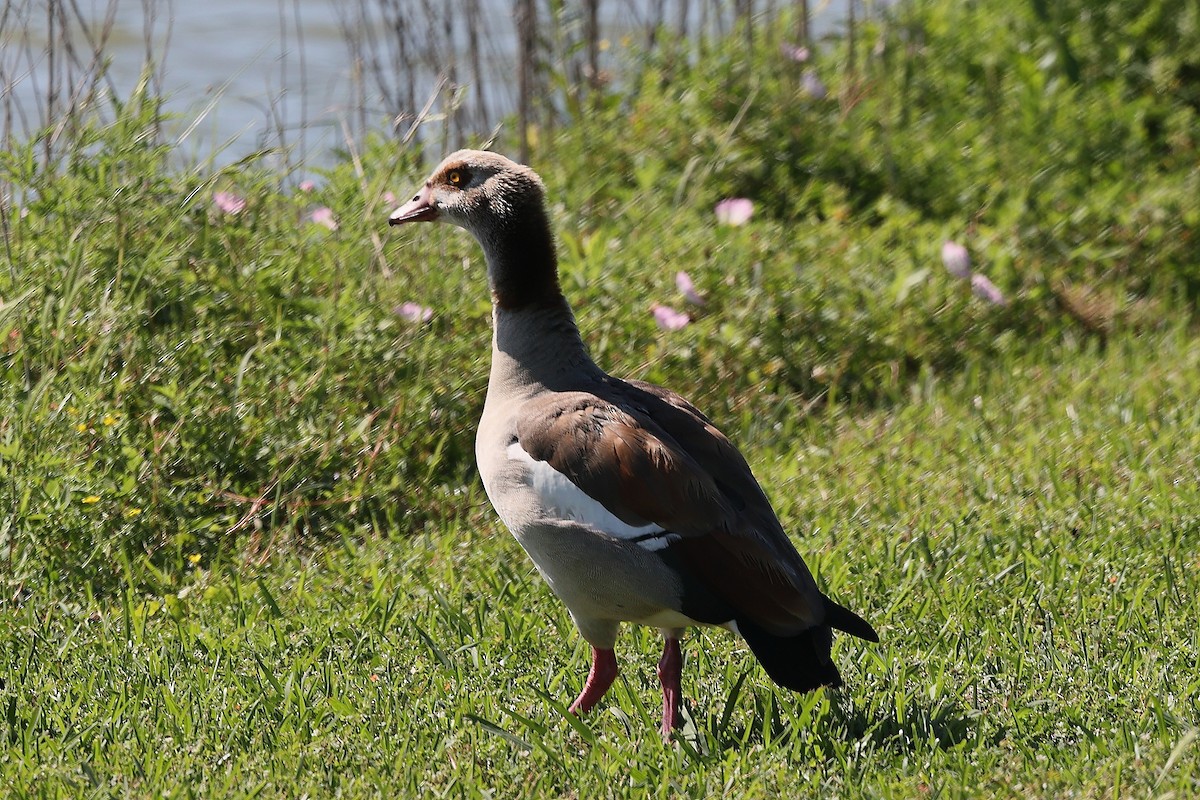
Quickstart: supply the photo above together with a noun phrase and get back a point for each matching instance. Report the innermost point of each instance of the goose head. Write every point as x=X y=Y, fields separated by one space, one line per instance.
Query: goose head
x=482 y=192
x=502 y=203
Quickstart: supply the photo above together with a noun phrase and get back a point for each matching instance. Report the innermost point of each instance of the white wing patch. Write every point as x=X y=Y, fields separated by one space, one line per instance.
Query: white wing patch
x=563 y=499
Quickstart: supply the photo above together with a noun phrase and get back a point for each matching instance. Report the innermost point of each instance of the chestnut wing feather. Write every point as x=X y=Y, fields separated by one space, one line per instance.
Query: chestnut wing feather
x=648 y=455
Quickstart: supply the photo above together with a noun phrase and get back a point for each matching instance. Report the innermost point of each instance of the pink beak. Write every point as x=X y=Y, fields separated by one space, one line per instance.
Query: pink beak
x=420 y=209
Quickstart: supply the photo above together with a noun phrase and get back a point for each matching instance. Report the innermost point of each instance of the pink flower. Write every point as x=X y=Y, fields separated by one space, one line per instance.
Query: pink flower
x=389 y=198
x=324 y=216
x=413 y=312
x=986 y=290
x=683 y=282
x=956 y=259
x=668 y=318
x=734 y=211
x=307 y=186
x=794 y=52
x=812 y=84
x=229 y=203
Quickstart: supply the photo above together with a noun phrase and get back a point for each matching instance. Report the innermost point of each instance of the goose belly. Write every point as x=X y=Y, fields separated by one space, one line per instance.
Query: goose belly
x=601 y=567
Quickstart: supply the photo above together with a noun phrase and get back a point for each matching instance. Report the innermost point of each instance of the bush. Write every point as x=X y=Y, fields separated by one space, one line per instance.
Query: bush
x=177 y=377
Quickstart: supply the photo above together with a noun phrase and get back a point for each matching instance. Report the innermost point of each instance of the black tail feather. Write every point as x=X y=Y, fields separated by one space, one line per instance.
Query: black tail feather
x=802 y=662
x=842 y=618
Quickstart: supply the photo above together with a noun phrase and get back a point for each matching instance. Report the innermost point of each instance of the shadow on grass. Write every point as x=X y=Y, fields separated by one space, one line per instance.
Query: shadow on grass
x=935 y=723
x=919 y=723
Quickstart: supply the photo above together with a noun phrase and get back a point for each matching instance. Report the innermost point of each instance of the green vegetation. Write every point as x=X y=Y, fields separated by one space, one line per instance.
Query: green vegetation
x=245 y=552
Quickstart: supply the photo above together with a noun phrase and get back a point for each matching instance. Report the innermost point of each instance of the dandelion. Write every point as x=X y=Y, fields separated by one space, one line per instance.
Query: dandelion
x=91 y=499
x=984 y=289
x=956 y=259
x=109 y=420
x=229 y=203
x=413 y=312
x=734 y=211
x=683 y=282
x=130 y=513
x=307 y=186
x=812 y=85
x=81 y=427
x=194 y=559
x=668 y=318
x=324 y=216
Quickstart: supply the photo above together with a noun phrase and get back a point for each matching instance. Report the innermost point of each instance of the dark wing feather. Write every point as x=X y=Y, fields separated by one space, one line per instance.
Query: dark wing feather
x=619 y=461
x=648 y=455
x=775 y=589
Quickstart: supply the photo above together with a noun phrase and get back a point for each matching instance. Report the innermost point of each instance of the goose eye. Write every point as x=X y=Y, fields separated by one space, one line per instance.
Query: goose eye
x=457 y=177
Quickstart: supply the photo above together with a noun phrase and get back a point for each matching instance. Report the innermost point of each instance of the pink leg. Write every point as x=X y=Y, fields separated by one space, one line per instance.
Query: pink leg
x=670 y=667
x=600 y=677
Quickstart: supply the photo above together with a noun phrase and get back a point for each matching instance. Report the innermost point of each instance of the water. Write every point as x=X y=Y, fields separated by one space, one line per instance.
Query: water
x=242 y=75
x=234 y=72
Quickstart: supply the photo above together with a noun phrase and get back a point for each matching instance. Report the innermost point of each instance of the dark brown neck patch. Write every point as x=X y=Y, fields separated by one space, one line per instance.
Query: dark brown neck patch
x=523 y=265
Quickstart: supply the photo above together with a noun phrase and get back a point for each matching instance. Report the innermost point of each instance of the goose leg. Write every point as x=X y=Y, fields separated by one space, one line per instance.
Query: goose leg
x=670 y=668
x=600 y=677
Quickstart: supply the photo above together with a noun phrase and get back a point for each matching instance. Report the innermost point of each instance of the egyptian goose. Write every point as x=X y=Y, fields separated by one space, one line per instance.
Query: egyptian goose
x=631 y=504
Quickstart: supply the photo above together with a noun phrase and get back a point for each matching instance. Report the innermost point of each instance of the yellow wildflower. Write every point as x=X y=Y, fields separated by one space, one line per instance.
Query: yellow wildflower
x=91 y=498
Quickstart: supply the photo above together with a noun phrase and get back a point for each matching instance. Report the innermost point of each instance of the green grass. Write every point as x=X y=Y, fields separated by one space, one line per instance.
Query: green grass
x=1025 y=541
x=244 y=551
